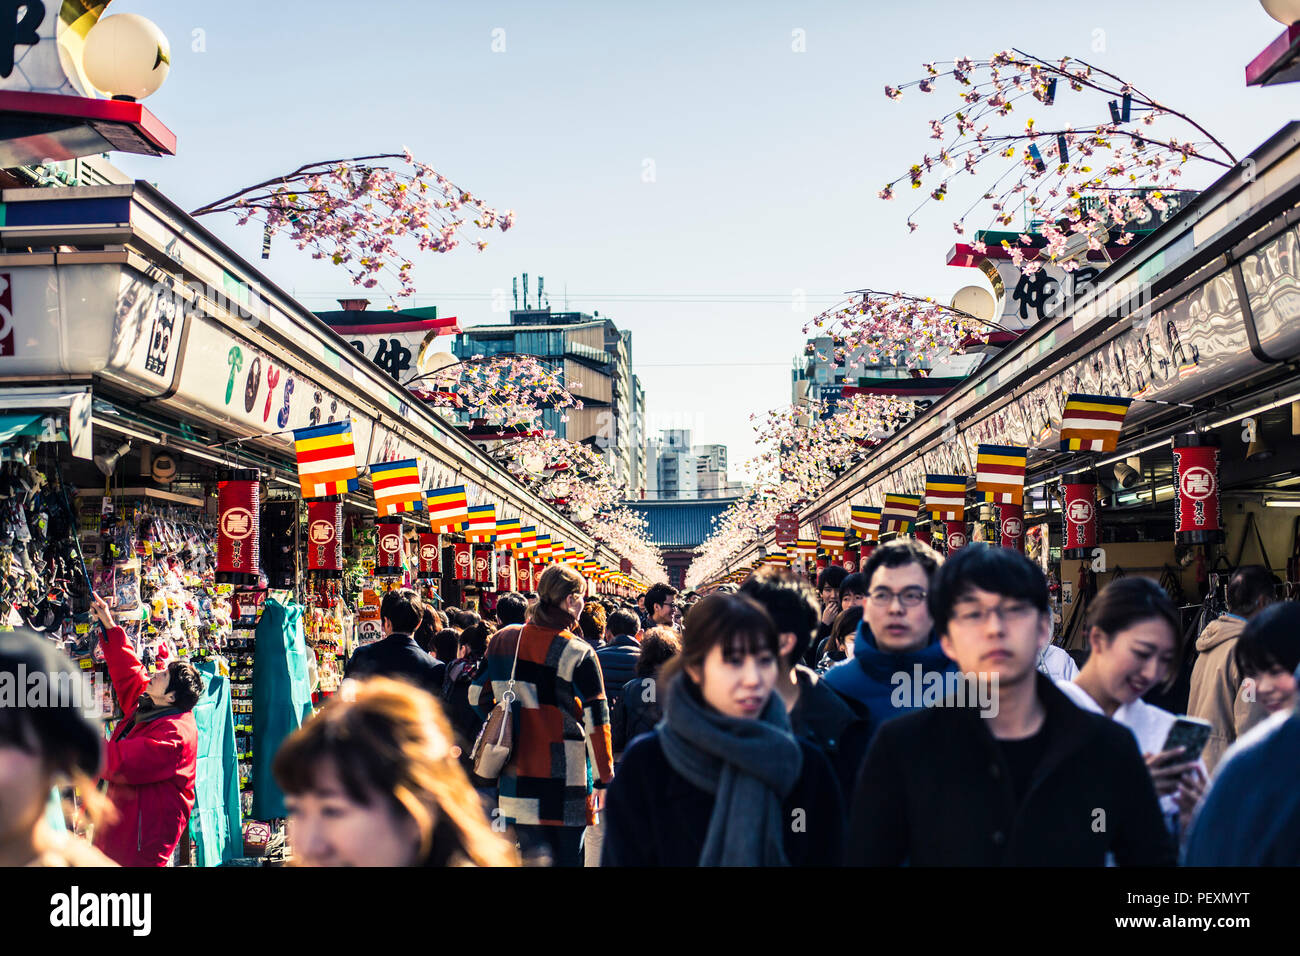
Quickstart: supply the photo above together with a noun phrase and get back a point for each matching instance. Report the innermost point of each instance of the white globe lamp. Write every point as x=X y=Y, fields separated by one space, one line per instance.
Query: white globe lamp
x=126 y=56
x=1285 y=12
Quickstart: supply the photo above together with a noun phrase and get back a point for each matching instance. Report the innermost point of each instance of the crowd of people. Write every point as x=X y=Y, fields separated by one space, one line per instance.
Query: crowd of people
x=916 y=712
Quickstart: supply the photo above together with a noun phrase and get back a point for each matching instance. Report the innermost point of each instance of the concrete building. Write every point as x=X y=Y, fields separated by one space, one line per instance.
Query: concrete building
x=676 y=469
x=593 y=358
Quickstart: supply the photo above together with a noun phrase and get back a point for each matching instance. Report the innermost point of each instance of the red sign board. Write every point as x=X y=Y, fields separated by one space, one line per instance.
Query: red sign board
x=325 y=536
x=388 y=548
x=1080 y=520
x=464 y=562
x=1011 y=525
x=429 y=557
x=238 y=531
x=787 y=529
x=482 y=565
x=954 y=535
x=1196 y=513
x=504 y=578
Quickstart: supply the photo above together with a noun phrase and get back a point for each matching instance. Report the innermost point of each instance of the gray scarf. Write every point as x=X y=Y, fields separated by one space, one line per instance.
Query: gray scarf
x=750 y=766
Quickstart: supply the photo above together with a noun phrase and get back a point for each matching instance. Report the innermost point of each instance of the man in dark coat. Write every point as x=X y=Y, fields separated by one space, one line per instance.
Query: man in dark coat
x=618 y=655
x=1004 y=770
x=817 y=714
x=397 y=655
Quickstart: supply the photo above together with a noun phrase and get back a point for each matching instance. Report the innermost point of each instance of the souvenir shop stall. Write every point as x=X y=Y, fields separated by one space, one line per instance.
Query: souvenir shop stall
x=187 y=440
x=1150 y=427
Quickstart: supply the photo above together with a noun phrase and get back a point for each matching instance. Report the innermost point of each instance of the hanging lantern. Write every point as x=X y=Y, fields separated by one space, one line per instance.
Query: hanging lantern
x=954 y=535
x=482 y=564
x=524 y=574
x=429 y=554
x=388 y=547
x=787 y=529
x=1011 y=525
x=923 y=534
x=1196 y=512
x=504 y=576
x=852 y=560
x=1079 y=518
x=463 y=561
x=325 y=537
x=238 y=538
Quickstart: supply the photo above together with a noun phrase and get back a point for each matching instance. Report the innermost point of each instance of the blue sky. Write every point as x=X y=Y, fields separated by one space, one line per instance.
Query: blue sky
x=766 y=161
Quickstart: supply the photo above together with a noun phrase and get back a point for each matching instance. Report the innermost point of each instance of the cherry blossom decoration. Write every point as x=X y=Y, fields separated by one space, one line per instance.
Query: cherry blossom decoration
x=575 y=479
x=354 y=212
x=894 y=328
x=1096 y=175
x=504 y=390
x=805 y=448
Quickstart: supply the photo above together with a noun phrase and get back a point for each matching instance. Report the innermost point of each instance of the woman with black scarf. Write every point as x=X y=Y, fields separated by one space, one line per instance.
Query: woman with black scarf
x=722 y=781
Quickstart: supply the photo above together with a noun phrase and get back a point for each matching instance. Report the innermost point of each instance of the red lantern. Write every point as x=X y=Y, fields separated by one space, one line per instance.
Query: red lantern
x=625 y=565
x=852 y=561
x=954 y=535
x=238 y=525
x=325 y=537
x=482 y=565
x=505 y=580
x=429 y=556
x=464 y=562
x=537 y=574
x=867 y=548
x=1079 y=519
x=388 y=548
x=822 y=562
x=524 y=573
x=923 y=534
x=1011 y=526
x=787 y=529
x=1196 y=514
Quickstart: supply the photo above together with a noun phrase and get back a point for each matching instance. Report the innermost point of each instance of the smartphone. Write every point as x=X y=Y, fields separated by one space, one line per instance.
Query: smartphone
x=1191 y=734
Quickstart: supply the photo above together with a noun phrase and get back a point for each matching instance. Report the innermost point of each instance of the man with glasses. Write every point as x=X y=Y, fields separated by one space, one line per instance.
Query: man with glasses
x=1007 y=771
x=896 y=642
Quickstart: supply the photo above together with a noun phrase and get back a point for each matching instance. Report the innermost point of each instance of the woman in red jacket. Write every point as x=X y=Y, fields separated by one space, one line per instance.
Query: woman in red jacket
x=150 y=760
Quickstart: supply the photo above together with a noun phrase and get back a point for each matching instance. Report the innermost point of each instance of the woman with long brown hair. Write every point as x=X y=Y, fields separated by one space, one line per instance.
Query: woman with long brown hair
x=373 y=780
x=551 y=788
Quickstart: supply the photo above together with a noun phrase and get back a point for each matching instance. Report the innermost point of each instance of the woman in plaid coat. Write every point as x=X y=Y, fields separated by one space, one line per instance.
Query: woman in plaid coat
x=553 y=785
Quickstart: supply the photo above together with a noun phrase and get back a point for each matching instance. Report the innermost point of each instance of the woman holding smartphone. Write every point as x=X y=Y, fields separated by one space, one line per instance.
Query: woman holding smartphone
x=1134 y=638
x=722 y=781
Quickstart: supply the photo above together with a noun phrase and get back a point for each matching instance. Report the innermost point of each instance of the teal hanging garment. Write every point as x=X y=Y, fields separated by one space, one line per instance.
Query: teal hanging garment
x=215 y=825
x=281 y=698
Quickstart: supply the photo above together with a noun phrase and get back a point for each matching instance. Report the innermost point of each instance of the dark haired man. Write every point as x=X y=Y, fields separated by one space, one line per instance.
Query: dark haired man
x=1217 y=693
x=853 y=591
x=659 y=604
x=512 y=608
x=896 y=641
x=817 y=713
x=398 y=655
x=1006 y=770
x=619 y=654
x=151 y=759
x=828 y=589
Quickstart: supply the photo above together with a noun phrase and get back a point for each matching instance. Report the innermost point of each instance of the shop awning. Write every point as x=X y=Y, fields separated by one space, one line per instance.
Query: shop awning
x=24 y=409
x=14 y=426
